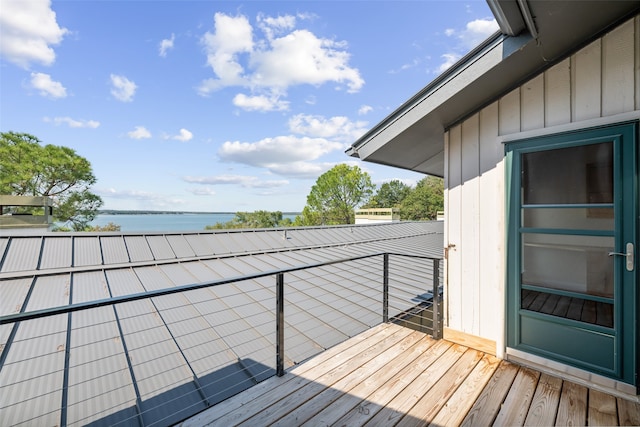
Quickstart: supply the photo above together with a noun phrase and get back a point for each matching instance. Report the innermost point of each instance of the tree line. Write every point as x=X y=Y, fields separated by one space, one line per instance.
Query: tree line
x=29 y=168
x=337 y=193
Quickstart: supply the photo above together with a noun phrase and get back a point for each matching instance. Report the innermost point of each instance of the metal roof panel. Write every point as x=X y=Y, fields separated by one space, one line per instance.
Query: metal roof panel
x=200 y=244
x=87 y=251
x=56 y=252
x=215 y=242
x=100 y=387
x=35 y=359
x=4 y=241
x=160 y=247
x=138 y=248
x=23 y=254
x=180 y=246
x=114 y=251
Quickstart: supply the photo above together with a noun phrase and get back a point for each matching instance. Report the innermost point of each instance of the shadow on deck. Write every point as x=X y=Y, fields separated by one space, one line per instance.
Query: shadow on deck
x=392 y=375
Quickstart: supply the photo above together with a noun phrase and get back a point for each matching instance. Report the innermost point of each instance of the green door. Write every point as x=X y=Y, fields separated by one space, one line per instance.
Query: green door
x=572 y=233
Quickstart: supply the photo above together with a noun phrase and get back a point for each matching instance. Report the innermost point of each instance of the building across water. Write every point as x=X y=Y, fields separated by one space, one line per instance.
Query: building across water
x=377 y=215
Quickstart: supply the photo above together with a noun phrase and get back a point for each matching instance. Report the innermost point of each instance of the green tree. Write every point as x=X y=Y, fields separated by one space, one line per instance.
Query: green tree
x=335 y=195
x=424 y=201
x=389 y=195
x=257 y=219
x=308 y=217
x=109 y=227
x=28 y=168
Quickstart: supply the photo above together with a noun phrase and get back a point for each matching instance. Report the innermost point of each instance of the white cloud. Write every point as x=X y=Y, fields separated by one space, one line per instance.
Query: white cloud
x=183 y=136
x=150 y=199
x=478 y=30
x=232 y=36
x=302 y=170
x=260 y=103
x=338 y=127
x=126 y=194
x=241 y=180
x=474 y=33
x=272 y=26
x=365 y=109
x=269 y=152
x=202 y=191
x=140 y=132
x=72 y=123
x=302 y=58
x=269 y=66
x=28 y=30
x=165 y=45
x=409 y=65
x=47 y=87
x=448 y=60
x=122 y=89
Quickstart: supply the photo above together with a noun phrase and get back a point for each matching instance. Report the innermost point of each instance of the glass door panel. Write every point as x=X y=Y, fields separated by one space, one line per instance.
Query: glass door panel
x=573 y=200
x=582 y=218
x=578 y=264
x=568 y=176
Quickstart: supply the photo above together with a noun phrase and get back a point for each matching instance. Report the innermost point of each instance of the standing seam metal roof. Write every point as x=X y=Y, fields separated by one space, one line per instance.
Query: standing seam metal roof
x=167 y=358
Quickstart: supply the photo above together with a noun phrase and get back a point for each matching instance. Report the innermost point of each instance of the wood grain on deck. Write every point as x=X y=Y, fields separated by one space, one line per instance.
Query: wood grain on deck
x=391 y=375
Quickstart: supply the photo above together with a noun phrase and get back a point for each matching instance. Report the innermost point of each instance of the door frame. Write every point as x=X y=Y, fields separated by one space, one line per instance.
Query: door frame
x=627 y=300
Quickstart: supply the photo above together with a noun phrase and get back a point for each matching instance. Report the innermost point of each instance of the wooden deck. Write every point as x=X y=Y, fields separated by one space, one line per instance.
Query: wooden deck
x=391 y=375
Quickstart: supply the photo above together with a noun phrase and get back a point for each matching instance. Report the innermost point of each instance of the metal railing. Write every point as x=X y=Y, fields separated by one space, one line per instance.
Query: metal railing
x=430 y=304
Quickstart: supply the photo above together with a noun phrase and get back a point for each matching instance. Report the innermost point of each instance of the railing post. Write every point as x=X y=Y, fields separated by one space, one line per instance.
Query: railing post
x=436 y=299
x=385 y=288
x=280 y=324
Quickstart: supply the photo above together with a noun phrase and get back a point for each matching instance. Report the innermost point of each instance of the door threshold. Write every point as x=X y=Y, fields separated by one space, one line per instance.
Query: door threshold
x=573 y=374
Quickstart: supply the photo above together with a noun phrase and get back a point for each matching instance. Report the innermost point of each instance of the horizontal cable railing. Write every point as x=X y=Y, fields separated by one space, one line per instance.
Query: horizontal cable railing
x=159 y=356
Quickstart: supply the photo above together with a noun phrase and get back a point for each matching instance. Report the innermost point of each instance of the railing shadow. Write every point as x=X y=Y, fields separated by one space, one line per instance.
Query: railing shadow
x=178 y=403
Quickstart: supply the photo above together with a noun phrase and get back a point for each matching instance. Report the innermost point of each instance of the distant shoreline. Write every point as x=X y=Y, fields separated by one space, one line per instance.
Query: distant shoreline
x=127 y=212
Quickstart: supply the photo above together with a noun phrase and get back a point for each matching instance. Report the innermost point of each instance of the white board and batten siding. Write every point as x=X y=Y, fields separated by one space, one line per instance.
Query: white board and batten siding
x=599 y=84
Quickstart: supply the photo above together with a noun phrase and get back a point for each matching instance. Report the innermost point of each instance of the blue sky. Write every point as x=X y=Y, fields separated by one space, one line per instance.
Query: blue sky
x=221 y=106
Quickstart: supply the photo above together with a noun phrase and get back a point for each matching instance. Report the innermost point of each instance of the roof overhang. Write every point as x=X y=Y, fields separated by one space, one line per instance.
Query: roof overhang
x=412 y=137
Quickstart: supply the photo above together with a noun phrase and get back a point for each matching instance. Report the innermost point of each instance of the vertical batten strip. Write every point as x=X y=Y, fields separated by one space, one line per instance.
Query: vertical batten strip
x=618 y=70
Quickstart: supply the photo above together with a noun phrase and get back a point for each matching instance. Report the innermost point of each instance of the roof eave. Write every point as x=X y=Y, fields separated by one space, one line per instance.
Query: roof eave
x=427 y=112
x=412 y=136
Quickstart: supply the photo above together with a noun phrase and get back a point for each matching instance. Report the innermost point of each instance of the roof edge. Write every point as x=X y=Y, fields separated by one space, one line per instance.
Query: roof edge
x=461 y=65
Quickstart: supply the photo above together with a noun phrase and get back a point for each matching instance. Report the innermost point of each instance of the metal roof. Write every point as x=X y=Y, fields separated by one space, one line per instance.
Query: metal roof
x=160 y=360
x=412 y=137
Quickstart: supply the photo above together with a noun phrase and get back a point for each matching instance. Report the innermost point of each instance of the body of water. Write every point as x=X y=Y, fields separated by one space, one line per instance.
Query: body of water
x=166 y=222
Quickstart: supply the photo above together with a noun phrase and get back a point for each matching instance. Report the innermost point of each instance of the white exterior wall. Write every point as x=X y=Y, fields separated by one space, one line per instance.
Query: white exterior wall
x=597 y=85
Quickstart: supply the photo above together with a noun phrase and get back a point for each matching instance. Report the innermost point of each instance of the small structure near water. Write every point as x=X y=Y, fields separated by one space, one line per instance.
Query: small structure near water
x=377 y=215
x=13 y=218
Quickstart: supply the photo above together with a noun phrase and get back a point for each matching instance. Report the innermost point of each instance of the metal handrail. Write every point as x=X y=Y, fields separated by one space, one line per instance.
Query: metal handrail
x=279 y=273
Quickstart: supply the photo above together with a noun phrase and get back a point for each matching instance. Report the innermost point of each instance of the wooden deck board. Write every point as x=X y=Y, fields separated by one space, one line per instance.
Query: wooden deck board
x=572 y=410
x=628 y=413
x=456 y=408
x=310 y=387
x=404 y=401
x=602 y=409
x=391 y=375
x=431 y=402
x=361 y=396
x=381 y=397
x=327 y=396
x=486 y=407
x=516 y=404
x=544 y=405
